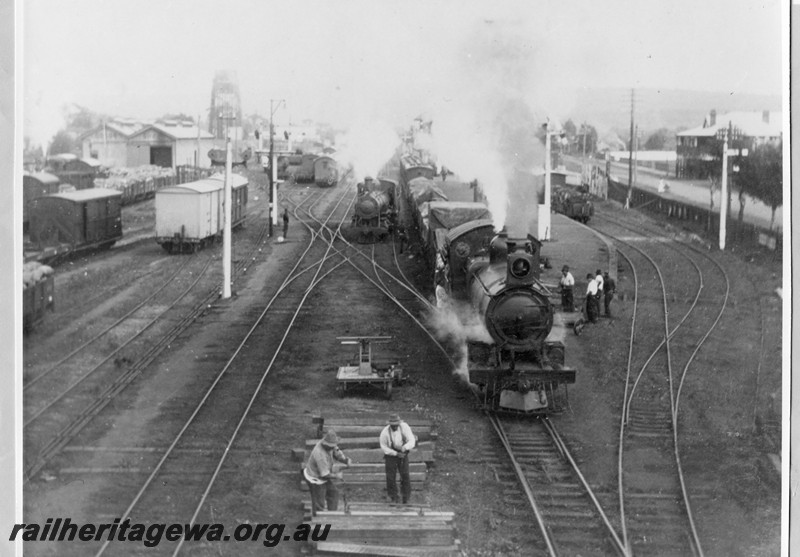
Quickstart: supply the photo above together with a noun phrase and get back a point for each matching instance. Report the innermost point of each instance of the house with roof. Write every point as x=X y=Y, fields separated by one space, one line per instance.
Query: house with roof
x=108 y=142
x=698 y=148
x=170 y=144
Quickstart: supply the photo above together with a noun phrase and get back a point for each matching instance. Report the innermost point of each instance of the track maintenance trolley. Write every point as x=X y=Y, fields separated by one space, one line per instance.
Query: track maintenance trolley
x=367 y=370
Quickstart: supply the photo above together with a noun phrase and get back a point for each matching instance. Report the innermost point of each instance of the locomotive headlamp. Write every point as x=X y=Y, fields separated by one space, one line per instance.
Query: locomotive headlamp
x=520 y=268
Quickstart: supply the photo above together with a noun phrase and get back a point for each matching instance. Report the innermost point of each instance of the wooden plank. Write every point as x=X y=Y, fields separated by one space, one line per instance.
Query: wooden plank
x=346 y=430
x=375 y=468
x=362 y=418
x=376 y=505
x=322 y=516
x=369 y=522
x=368 y=443
x=416 y=485
x=379 y=476
x=362 y=456
x=397 y=535
x=340 y=548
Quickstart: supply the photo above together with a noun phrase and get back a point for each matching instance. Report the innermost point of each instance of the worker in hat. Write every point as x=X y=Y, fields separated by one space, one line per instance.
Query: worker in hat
x=567 y=283
x=319 y=473
x=397 y=440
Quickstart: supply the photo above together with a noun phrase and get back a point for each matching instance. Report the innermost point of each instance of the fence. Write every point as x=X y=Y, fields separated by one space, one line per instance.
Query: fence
x=701 y=219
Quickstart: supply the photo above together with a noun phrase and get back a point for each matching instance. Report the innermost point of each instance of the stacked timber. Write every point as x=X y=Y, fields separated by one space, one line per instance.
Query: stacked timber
x=384 y=529
x=376 y=527
x=359 y=439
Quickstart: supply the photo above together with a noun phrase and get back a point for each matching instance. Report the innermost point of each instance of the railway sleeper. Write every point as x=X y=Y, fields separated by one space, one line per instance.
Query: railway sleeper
x=566 y=513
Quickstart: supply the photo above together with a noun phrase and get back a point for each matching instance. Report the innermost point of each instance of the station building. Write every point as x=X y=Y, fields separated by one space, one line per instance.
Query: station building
x=698 y=148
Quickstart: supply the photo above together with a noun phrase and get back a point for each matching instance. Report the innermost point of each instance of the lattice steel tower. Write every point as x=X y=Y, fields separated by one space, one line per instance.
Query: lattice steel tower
x=226 y=104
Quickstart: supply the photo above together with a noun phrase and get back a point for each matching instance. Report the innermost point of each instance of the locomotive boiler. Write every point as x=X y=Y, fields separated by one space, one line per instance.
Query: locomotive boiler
x=374 y=211
x=520 y=367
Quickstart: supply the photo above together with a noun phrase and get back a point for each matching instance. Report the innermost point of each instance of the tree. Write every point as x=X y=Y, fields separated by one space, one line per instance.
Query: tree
x=662 y=139
x=587 y=137
x=570 y=131
x=63 y=142
x=180 y=117
x=761 y=175
x=80 y=119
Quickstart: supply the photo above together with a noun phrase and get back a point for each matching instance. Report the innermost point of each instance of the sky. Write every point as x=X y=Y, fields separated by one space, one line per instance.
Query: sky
x=342 y=61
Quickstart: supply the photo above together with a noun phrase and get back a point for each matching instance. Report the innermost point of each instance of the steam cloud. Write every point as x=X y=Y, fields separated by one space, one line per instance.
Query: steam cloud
x=458 y=323
x=487 y=125
x=367 y=146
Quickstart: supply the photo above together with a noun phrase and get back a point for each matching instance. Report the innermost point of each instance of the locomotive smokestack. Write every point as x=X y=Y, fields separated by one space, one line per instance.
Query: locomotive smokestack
x=498 y=247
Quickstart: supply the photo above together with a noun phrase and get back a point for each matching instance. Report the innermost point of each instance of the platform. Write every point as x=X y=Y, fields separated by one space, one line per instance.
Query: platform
x=580 y=247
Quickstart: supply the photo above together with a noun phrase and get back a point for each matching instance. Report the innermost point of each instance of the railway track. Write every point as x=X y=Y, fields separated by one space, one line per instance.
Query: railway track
x=655 y=506
x=65 y=397
x=540 y=460
x=186 y=498
x=656 y=520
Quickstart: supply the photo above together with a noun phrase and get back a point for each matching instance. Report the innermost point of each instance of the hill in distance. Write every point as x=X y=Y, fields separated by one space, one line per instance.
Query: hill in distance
x=609 y=109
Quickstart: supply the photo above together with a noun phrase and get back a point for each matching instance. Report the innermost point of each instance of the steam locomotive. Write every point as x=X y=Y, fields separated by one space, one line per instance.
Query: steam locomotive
x=575 y=204
x=375 y=211
x=520 y=366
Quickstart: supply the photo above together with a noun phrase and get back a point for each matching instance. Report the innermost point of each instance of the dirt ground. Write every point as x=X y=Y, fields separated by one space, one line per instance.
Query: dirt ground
x=729 y=427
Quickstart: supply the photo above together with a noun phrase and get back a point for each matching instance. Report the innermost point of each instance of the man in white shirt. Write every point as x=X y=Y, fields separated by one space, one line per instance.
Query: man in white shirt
x=598 y=278
x=396 y=442
x=592 y=305
x=567 y=283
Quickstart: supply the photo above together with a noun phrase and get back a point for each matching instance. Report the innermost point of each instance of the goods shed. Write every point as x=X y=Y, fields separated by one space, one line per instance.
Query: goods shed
x=108 y=142
x=170 y=145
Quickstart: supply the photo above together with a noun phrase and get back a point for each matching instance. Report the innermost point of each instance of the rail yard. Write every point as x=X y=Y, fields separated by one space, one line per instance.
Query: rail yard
x=148 y=397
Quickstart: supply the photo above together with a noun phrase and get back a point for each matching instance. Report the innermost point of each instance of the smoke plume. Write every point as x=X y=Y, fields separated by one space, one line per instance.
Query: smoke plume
x=488 y=123
x=367 y=146
x=457 y=323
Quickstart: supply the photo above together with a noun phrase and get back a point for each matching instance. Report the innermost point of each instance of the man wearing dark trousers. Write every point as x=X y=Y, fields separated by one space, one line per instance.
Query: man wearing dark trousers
x=396 y=442
x=319 y=474
x=609 y=288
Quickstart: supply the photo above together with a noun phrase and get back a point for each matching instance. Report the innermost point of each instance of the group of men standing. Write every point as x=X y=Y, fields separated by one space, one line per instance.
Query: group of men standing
x=396 y=441
x=599 y=286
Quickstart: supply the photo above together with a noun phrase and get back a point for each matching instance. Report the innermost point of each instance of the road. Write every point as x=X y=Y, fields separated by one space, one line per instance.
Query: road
x=696 y=192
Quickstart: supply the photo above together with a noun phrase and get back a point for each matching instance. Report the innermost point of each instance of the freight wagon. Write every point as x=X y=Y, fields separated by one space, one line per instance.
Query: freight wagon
x=73 y=221
x=191 y=215
x=303 y=172
x=574 y=204
x=326 y=171
x=33 y=186
x=414 y=167
x=75 y=171
x=38 y=294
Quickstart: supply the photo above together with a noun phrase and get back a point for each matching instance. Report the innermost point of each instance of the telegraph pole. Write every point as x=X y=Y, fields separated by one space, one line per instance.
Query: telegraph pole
x=630 y=159
x=723 y=206
x=544 y=214
x=226 y=232
x=273 y=175
x=636 y=156
x=584 y=140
